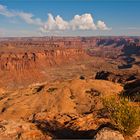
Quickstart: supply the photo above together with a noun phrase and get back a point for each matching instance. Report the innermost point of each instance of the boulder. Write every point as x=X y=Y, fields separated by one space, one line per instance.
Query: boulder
x=108 y=134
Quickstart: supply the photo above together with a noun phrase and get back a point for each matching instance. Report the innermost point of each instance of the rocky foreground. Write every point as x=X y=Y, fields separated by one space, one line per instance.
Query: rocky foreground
x=60 y=110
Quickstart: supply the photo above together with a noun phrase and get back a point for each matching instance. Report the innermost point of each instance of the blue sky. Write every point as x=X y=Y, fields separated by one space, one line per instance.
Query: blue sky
x=69 y=17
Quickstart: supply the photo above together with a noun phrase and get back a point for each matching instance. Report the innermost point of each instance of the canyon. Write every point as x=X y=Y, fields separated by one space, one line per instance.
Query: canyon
x=35 y=59
x=53 y=87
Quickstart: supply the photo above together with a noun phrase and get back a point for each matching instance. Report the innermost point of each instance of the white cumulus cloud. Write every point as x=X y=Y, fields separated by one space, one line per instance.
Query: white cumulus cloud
x=79 y=22
x=83 y=22
x=102 y=26
x=55 y=24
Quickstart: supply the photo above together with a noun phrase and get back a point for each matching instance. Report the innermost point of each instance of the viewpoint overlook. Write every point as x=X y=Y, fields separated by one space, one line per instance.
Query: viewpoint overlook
x=69 y=69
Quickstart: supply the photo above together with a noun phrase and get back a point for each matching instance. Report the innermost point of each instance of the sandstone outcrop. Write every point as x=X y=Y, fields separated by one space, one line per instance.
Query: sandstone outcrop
x=30 y=60
x=117 y=78
x=53 y=110
x=76 y=97
x=108 y=134
x=132 y=90
x=20 y=130
x=24 y=67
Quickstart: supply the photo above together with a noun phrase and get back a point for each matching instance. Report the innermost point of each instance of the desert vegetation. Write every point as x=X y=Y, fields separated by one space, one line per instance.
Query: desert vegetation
x=124 y=116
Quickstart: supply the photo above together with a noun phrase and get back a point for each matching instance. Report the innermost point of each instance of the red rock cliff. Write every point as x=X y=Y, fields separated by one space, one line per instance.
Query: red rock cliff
x=26 y=60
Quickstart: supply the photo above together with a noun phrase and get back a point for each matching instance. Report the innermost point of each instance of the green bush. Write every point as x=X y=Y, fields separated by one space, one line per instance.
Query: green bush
x=125 y=117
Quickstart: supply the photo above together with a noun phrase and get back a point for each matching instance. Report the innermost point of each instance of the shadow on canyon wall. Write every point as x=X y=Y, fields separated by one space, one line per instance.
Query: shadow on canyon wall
x=128 y=52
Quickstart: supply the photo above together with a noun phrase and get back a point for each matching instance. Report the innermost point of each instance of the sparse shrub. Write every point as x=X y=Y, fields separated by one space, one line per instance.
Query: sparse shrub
x=38 y=89
x=82 y=77
x=52 y=89
x=72 y=97
x=125 y=117
x=134 y=96
x=93 y=92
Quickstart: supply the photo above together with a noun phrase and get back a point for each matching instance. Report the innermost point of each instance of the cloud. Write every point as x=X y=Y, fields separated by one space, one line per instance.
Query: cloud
x=79 y=22
x=102 y=26
x=84 y=22
x=27 y=17
x=5 y=12
x=56 y=23
x=61 y=24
